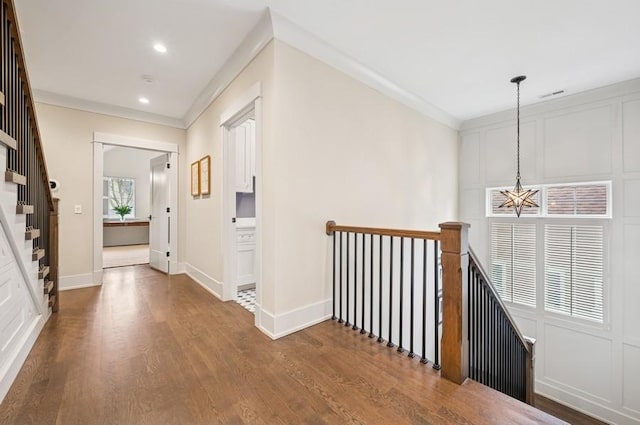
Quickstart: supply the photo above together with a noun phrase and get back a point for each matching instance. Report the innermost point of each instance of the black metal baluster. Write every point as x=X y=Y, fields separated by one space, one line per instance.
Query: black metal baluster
x=389 y=342
x=401 y=309
x=411 y=353
x=340 y=305
x=380 y=293
x=371 y=335
x=333 y=310
x=346 y=318
x=423 y=359
x=436 y=297
x=355 y=280
x=362 y=330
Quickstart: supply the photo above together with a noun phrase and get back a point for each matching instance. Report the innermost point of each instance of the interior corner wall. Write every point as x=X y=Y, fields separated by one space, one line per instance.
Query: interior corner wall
x=204 y=214
x=590 y=136
x=345 y=152
x=67 y=138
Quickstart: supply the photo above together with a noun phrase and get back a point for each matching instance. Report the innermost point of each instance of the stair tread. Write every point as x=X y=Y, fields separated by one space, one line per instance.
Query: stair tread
x=24 y=209
x=32 y=234
x=52 y=300
x=14 y=177
x=48 y=286
x=37 y=254
x=43 y=272
x=8 y=140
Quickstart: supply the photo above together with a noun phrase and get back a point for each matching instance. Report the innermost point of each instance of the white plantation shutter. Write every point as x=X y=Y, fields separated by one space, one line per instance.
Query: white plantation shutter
x=513 y=262
x=574 y=270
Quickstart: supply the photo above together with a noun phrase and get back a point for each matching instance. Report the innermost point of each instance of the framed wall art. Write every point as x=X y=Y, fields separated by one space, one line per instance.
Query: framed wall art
x=205 y=175
x=195 y=178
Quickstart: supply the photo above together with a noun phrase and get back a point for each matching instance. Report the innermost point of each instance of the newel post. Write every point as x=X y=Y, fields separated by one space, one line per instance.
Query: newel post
x=455 y=332
x=54 y=253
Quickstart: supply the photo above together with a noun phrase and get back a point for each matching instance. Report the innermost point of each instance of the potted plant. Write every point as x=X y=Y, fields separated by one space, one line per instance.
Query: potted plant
x=122 y=210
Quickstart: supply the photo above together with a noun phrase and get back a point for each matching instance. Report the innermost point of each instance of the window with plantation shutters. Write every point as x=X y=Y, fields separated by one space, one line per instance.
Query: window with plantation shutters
x=513 y=262
x=574 y=270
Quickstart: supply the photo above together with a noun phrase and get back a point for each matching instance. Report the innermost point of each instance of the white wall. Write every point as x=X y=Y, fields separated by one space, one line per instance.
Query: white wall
x=585 y=137
x=343 y=151
x=67 y=138
x=132 y=163
x=204 y=227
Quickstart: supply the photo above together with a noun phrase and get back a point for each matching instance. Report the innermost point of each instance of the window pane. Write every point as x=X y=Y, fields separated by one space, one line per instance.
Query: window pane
x=121 y=192
x=513 y=262
x=574 y=270
x=498 y=198
x=577 y=200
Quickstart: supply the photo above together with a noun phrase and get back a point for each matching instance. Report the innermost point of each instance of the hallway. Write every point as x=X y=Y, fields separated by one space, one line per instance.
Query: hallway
x=164 y=351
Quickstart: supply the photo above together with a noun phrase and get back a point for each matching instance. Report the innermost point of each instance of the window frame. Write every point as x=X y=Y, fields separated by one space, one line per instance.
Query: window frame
x=543 y=211
x=106 y=197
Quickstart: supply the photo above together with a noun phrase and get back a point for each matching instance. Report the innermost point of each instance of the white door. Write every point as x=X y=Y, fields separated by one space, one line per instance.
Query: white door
x=160 y=218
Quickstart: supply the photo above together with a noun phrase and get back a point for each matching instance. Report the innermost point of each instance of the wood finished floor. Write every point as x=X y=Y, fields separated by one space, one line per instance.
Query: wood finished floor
x=146 y=348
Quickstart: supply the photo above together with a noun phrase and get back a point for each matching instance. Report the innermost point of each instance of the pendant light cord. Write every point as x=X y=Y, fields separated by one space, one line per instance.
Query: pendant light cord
x=518 y=140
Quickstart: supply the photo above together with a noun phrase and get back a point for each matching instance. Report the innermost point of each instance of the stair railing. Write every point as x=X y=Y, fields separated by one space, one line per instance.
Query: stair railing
x=426 y=292
x=386 y=284
x=499 y=355
x=25 y=157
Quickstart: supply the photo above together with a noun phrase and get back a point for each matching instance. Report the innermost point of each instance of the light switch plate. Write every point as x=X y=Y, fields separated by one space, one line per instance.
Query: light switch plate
x=77 y=209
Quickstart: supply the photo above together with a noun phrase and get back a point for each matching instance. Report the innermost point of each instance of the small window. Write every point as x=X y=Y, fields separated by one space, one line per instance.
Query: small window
x=570 y=200
x=513 y=262
x=590 y=200
x=574 y=270
x=117 y=192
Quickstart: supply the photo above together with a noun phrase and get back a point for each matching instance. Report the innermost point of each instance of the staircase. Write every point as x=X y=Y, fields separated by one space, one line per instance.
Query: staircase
x=28 y=212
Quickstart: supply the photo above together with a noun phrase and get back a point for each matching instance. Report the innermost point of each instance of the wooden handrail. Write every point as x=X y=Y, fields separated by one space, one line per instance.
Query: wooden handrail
x=332 y=227
x=28 y=94
x=487 y=283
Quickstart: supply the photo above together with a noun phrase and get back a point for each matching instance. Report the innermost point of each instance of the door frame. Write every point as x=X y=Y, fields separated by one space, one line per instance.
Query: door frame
x=101 y=139
x=248 y=101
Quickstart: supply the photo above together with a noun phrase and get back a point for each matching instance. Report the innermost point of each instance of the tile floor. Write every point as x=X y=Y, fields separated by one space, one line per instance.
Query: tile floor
x=247 y=299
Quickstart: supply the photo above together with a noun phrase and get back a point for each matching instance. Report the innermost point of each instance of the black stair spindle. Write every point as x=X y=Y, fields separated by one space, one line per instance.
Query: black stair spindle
x=362 y=330
x=401 y=309
x=340 y=305
x=380 y=292
x=411 y=353
x=371 y=335
x=333 y=307
x=436 y=306
x=389 y=342
x=346 y=318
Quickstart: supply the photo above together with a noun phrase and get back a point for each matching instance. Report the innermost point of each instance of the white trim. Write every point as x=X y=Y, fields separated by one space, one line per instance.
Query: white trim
x=277 y=326
x=134 y=142
x=250 y=47
x=251 y=99
x=292 y=34
x=582 y=404
x=99 y=139
x=42 y=96
x=15 y=364
x=241 y=105
x=78 y=281
x=210 y=284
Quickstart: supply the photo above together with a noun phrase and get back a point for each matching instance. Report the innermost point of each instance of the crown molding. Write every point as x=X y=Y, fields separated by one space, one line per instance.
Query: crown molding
x=599 y=94
x=310 y=44
x=251 y=46
x=56 y=99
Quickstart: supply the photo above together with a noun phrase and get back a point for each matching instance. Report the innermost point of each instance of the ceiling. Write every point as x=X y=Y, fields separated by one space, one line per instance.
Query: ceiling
x=456 y=55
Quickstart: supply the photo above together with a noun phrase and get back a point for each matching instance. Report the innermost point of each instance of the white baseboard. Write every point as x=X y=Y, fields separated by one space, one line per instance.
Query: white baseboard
x=204 y=280
x=581 y=404
x=77 y=281
x=9 y=374
x=279 y=325
x=180 y=268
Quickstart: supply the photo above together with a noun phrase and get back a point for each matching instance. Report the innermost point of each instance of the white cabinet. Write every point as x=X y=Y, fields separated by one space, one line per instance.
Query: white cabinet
x=245 y=254
x=244 y=152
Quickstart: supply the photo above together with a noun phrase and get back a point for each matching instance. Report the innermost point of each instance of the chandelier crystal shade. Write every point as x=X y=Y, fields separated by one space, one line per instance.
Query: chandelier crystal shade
x=518 y=198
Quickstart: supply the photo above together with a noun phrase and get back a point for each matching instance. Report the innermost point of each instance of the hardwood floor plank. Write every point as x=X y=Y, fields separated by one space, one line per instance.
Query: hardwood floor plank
x=146 y=348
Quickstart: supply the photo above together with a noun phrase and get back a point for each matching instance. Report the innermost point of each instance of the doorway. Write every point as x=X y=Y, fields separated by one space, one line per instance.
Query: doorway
x=241 y=126
x=134 y=190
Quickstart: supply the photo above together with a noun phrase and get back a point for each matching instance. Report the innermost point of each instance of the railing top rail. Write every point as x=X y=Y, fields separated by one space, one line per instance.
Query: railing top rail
x=332 y=227
x=24 y=75
x=487 y=283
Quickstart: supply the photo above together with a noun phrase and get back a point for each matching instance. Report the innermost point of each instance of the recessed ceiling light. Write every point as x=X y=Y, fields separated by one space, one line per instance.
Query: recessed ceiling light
x=143 y=100
x=160 y=48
